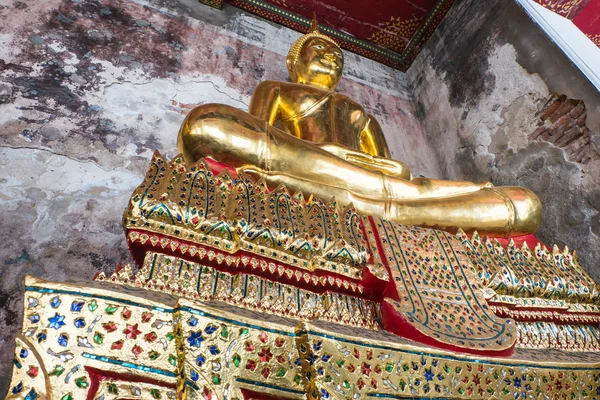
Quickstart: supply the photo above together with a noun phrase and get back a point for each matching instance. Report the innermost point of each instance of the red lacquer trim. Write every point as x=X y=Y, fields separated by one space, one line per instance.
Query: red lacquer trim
x=378 y=243
x=394 y=322
x=97 y=376
x=530 y=239
x=217 y=167
x=374 y=288
x=139 y=250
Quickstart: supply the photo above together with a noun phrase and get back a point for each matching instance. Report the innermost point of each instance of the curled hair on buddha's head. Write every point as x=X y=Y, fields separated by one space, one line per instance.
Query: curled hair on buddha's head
x=296 y=48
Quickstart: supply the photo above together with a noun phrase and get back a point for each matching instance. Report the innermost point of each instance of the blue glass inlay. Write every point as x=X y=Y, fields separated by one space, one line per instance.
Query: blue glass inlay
x=130 y=365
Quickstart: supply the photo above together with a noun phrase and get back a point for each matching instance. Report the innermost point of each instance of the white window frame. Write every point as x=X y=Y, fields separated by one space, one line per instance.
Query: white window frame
x=572 y=41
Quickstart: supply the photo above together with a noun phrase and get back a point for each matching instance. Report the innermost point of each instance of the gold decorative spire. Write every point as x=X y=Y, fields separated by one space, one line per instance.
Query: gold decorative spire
x=314 y=25
x=294 y=52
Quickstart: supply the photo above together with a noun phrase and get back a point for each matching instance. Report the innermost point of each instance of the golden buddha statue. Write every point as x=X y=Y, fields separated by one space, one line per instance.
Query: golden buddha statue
x=317 y=141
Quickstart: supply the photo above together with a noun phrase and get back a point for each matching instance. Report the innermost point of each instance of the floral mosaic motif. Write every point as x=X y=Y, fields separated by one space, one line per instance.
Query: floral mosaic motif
x=345 y=368
x=554 y=301
x=531 y=273
x=234 y=352
x=138 y=390
x=83 y=328
x=214 y=352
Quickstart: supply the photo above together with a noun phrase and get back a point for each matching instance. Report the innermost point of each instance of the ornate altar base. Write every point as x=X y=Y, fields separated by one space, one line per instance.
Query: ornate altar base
x=248 y=293
x=109 y=341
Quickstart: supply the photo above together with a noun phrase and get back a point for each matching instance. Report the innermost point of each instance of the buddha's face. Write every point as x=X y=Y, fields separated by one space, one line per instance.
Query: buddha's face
x=320 y=63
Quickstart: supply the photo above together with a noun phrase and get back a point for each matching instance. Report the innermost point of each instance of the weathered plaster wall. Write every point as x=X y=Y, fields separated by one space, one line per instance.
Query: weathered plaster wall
x=500 y=102
x=89 y=89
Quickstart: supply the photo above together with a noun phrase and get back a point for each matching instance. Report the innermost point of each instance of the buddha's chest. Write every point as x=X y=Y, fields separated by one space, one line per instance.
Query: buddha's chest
x=325 y=118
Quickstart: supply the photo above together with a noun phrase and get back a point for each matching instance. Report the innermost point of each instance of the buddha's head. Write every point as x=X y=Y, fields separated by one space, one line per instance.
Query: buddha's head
x=315 y=59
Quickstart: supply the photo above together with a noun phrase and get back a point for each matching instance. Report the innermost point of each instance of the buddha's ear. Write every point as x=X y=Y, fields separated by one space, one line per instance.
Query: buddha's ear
x=291 y=67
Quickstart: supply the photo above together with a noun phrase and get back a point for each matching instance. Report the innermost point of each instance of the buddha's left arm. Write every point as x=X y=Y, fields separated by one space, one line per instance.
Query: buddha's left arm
x=373 y=153
x=372 y=141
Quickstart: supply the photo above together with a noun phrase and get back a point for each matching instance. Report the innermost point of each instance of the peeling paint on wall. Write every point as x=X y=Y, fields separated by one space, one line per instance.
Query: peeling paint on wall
x=484 y=85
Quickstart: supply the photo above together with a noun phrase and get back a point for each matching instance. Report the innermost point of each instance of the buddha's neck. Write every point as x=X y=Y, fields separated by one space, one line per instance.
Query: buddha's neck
x=318 y=85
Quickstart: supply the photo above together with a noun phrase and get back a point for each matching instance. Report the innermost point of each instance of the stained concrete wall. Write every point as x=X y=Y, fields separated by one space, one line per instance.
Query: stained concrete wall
x=89 y=89
x=499 y=101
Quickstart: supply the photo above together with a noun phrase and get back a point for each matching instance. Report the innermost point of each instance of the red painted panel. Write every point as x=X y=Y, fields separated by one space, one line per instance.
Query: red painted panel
x=565 y=8
x=389 y=31
x=585 y=14
x=588 y=20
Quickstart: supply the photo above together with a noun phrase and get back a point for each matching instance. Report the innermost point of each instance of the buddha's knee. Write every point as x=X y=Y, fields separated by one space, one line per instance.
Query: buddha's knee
x=219 y=131
x=525 y=206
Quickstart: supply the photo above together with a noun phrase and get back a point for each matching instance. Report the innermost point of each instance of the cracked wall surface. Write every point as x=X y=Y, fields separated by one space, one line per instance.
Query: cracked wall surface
x=89 y=89
x=500 y=102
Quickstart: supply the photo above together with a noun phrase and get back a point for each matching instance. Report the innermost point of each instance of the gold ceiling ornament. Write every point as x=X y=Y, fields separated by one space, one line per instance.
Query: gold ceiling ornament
x=594 y=38
x=565 y=8
x=396 y=33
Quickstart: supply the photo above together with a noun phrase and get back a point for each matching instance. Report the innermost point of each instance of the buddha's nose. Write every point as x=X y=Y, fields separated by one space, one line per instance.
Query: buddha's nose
x=330 y=57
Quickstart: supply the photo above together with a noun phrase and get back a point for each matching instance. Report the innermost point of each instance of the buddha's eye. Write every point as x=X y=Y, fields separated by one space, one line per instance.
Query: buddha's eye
x=318 y=46
x=338 y=54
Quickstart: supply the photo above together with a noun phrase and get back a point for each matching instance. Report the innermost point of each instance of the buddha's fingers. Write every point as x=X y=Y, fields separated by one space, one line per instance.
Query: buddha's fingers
x=391 y=168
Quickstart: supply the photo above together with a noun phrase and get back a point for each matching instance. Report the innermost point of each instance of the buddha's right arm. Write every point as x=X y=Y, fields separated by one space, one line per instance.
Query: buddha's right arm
x=265 y=101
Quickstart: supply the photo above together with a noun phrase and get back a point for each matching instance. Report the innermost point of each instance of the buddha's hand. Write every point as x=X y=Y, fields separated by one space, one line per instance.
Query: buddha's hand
x=389 y=167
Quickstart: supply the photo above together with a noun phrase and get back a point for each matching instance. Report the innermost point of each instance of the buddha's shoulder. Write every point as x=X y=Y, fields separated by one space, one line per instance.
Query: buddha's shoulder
x=286 y=89
x=347 y=101
x=291 y=87
x=298 y=90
